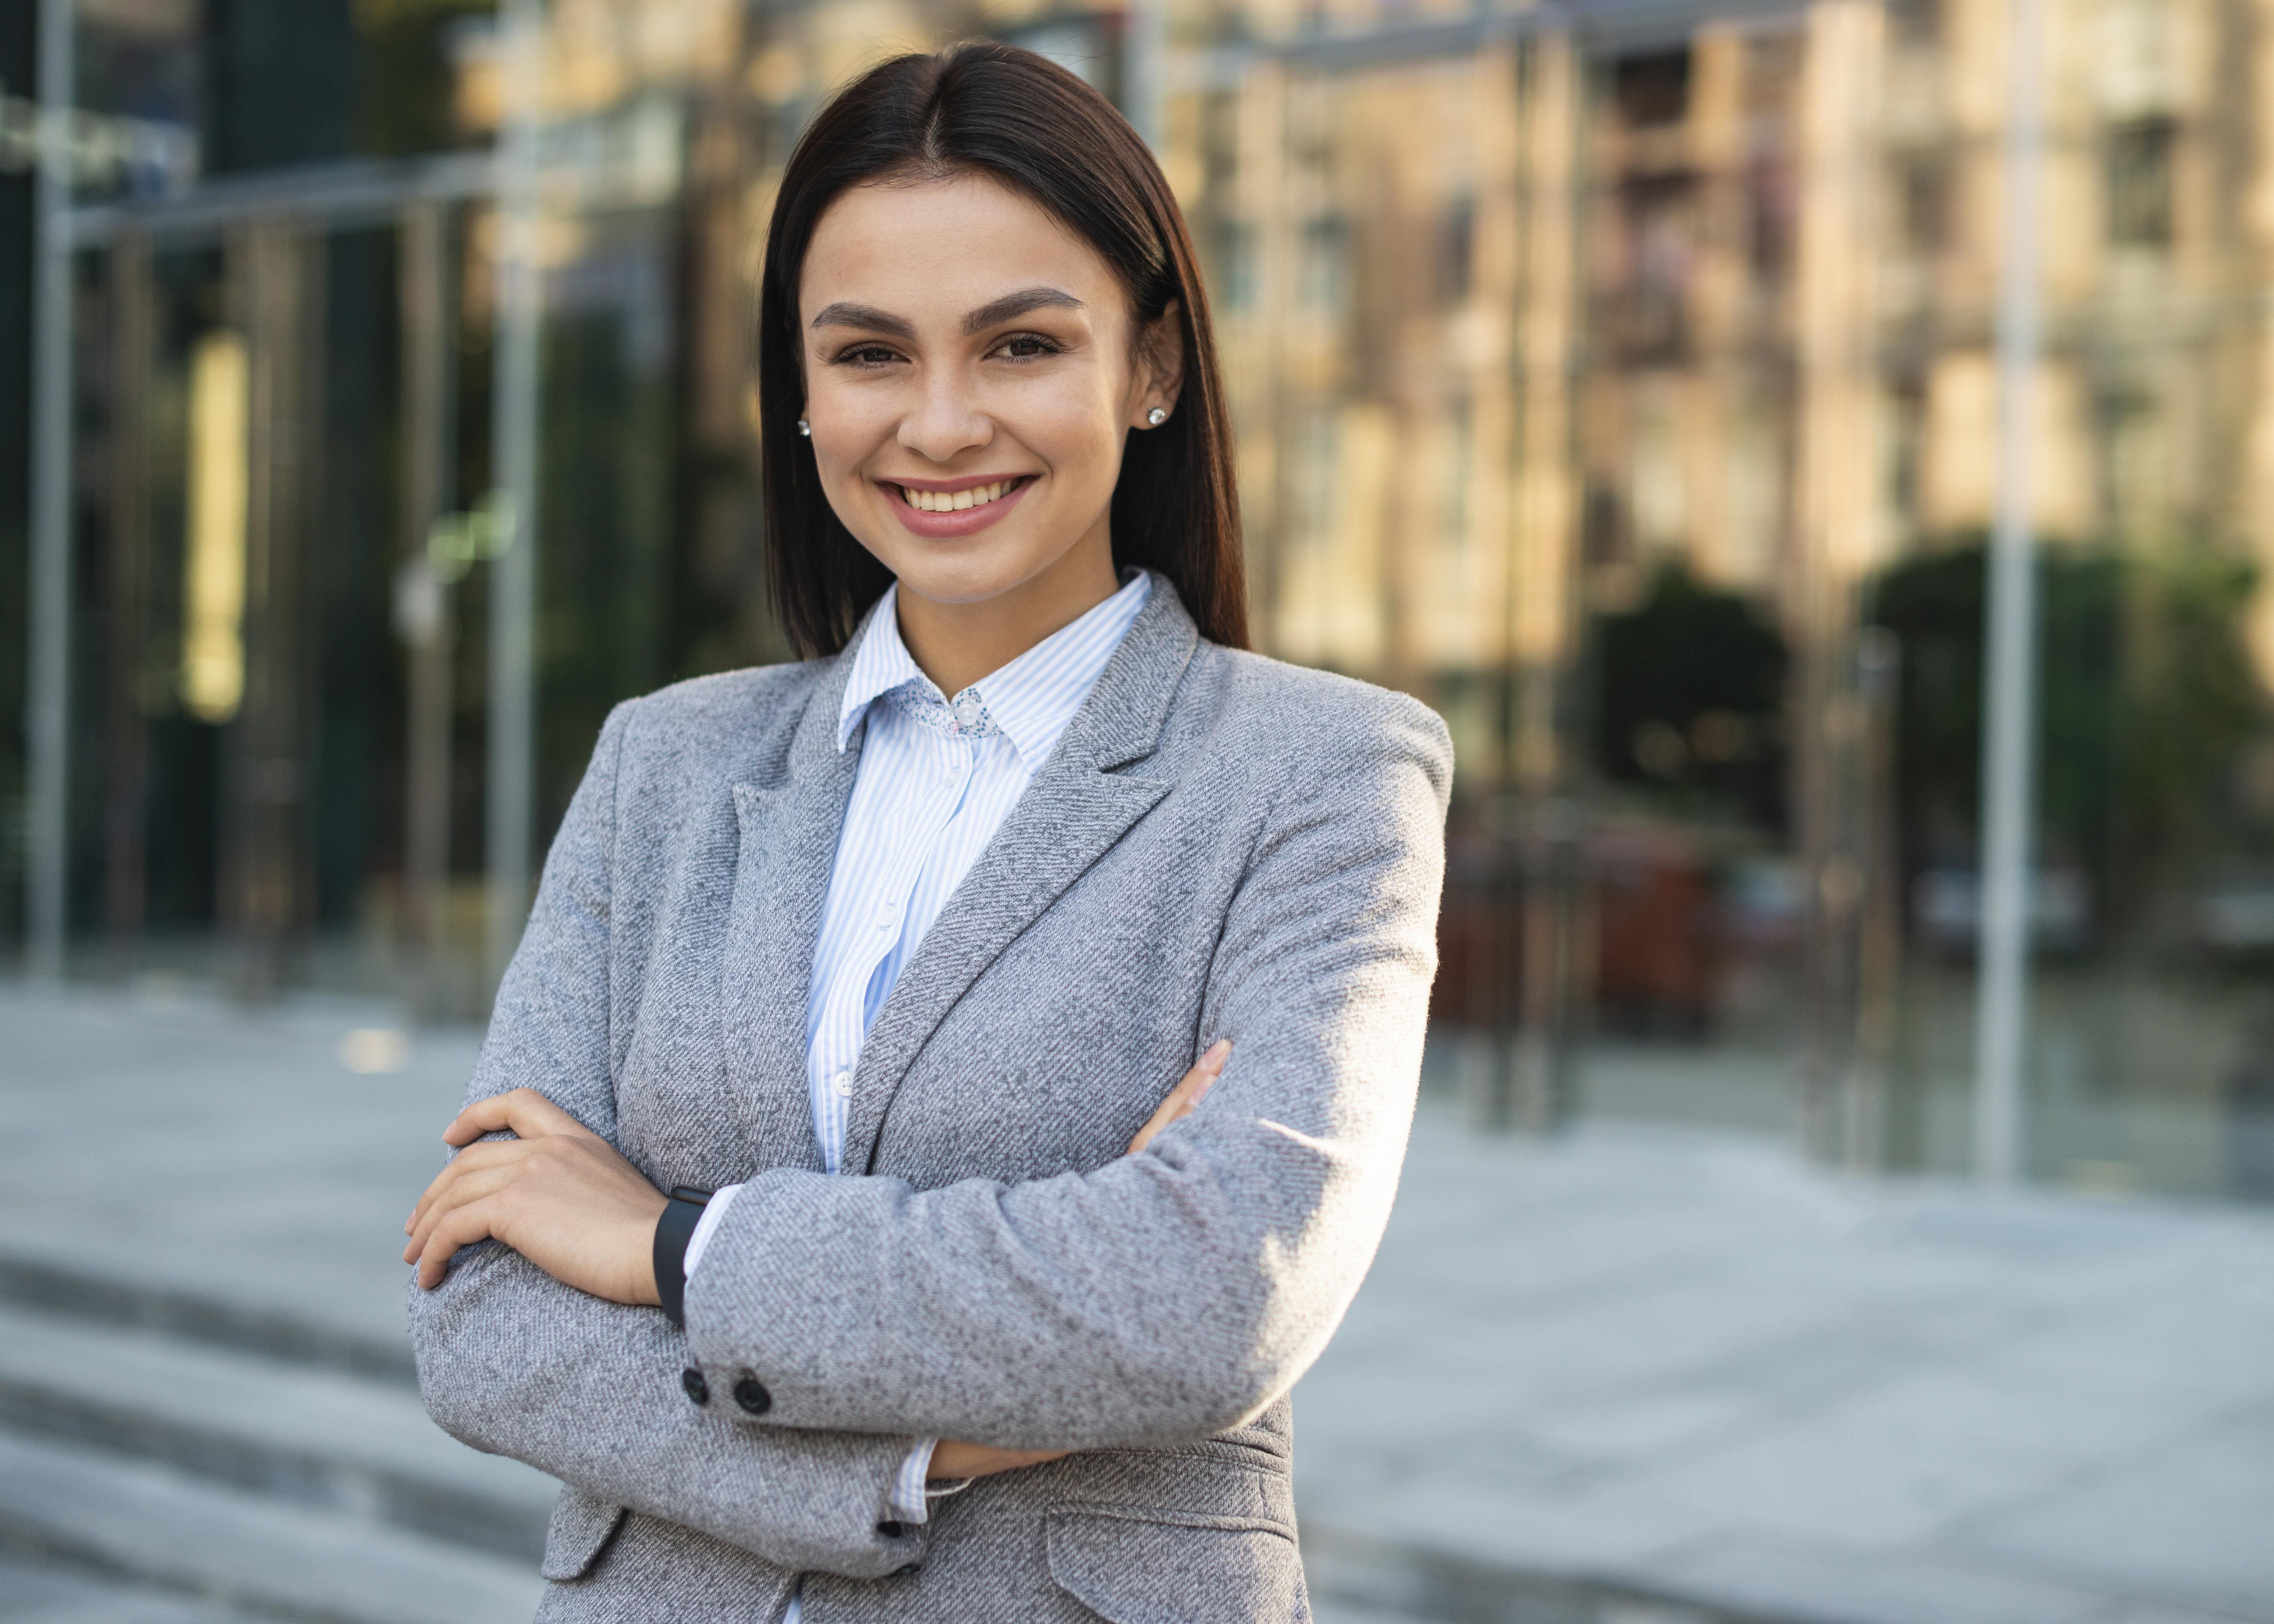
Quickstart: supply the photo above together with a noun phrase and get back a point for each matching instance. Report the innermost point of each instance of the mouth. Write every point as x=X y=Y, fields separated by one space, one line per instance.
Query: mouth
x=974 y=505
x=960 y=501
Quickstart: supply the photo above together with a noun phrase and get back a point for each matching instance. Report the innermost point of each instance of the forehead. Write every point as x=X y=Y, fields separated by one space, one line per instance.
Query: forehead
x=934 y=250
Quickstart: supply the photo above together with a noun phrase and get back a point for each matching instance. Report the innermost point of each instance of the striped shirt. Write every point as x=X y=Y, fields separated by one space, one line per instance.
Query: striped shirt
x=937 y=778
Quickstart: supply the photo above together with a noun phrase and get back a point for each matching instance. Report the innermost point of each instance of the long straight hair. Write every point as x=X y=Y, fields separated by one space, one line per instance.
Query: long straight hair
x=996 y=110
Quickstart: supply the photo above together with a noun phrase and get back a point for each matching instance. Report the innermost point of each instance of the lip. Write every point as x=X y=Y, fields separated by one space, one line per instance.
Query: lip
x=945 y=526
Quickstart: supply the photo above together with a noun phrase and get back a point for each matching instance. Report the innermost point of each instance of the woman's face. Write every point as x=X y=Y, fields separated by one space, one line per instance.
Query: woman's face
x=970 y=374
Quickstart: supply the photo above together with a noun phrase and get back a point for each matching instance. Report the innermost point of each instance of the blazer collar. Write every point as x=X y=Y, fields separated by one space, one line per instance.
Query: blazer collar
x=1030 y=700
x=1077 y=806
x=1120 y=722
x=788 y=830
x=1075 y=810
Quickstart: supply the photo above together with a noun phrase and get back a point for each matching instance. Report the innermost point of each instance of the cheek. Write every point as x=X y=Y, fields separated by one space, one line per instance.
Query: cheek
x=1074 y=423
x=848 y=426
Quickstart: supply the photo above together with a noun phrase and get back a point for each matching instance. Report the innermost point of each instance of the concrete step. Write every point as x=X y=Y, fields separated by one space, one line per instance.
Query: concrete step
x=151 y=1303
x=1356 y=1578
x=41 y=1593
x=252 y=1551
x=318 y=1437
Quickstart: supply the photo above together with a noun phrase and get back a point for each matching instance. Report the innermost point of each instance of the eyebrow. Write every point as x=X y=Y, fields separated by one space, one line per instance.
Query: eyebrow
x=1013 y=305
x=1008 y=308
x=844 y=315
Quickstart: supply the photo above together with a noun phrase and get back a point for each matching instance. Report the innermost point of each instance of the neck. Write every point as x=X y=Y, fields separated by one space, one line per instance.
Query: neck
x=955 y=644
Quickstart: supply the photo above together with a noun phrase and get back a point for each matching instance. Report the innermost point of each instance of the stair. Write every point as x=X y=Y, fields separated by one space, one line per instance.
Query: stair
x=257 y=1469
x=41 y=1593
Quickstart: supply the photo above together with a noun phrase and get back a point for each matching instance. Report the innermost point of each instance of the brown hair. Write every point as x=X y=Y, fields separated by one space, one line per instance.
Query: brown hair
x=1008 y=114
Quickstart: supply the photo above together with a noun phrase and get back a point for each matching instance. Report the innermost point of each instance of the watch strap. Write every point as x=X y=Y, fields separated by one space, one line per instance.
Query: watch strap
x=674 y=1228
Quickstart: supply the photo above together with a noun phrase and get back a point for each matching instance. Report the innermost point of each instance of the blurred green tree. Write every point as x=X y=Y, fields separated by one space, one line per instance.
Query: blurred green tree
x=1690 y=698
x=406 y=101
x=2146 y=698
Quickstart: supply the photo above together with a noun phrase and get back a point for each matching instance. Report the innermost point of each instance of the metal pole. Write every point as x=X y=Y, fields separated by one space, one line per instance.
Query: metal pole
x=46 y=720
x=1534 y=1090
x=1143 y=64
x=2009 y=697
x=513 y=452
x=426 y=614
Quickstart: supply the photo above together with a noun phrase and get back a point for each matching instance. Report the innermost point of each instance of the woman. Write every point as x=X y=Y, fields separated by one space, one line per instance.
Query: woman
x=897 y=974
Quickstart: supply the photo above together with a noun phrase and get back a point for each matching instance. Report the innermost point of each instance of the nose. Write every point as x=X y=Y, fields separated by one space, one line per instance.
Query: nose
x=945 y=420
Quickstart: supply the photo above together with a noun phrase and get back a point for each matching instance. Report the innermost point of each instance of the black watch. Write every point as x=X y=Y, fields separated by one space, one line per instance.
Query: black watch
x=672 y=1230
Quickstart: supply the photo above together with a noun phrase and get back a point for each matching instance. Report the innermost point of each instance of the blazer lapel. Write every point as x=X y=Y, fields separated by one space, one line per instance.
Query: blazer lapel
x=1075 y=810
x=788 y=844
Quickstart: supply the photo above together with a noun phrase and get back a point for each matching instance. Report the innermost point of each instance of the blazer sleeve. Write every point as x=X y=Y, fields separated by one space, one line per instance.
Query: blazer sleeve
x=1165 y=1296
x=514 y=1363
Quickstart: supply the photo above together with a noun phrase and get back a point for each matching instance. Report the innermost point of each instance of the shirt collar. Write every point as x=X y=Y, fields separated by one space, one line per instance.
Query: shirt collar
x=1032 y=700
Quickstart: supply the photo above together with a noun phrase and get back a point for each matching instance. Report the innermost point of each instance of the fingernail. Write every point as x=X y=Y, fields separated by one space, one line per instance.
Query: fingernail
x=1217 y=1054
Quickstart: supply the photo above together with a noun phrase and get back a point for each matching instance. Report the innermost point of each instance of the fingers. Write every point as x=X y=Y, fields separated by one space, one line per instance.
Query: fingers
x=1188 y=1092
x=461 y=1227
x=473 y=1159
x=523 y=1111
x=1196 y=1083
x=434 y=1208
x=1207 y=1068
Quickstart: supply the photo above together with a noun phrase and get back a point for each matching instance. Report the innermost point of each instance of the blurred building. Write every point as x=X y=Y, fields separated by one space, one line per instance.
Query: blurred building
x=1618 y=376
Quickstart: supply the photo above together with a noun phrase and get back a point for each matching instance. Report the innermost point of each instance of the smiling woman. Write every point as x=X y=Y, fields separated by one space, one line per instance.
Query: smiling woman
x=970 y=439
x=990 y=235
x=884 y=965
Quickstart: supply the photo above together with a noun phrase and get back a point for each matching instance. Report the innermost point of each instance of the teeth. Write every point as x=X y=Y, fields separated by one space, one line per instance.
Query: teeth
x=954 y=501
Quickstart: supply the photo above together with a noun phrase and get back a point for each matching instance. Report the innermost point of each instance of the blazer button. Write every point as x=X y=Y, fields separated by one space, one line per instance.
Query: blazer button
x=697 y=1389
x=751 y=1394
x=905 y=1569
x=890 y=1531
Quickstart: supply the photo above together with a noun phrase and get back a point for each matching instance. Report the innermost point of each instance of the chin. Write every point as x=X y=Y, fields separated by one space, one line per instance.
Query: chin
x=952 y=581
x=964 y=570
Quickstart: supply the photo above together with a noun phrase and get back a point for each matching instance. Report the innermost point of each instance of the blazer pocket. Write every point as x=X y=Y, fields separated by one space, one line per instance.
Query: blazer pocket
x=1140 y=1567
x=579 y=1531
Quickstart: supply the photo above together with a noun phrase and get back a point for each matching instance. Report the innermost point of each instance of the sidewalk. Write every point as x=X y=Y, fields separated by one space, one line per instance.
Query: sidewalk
x=205 y=1156
x=1696 y=1369
x=1633 y=1375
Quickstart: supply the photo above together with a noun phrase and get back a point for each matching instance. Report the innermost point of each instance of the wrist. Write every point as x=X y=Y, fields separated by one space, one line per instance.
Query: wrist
x=639 y=1245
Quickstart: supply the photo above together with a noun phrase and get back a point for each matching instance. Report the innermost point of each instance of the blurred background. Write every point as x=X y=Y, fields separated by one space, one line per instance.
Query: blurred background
x=1818 y=457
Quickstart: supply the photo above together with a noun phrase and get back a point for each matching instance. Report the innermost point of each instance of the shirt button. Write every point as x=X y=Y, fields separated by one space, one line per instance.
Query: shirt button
x=841 y=1085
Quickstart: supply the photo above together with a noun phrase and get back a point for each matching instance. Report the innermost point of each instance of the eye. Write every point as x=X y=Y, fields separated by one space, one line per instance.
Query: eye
x=1027 y=347
x=866 y=355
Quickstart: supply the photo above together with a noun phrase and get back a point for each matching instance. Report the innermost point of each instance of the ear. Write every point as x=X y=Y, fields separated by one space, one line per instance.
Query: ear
x=1160 y=371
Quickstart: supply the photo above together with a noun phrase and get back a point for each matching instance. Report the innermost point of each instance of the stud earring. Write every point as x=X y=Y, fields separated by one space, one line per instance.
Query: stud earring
x=805 y=428
x=1156 y=416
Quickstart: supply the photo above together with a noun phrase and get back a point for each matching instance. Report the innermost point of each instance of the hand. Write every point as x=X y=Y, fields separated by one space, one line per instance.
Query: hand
x=953 y=1459
x=559 y=1194
x=1186 y=1094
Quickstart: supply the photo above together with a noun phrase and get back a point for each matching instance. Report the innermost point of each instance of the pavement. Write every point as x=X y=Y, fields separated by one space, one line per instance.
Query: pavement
x=1629 y=1376
x=1695 y=1368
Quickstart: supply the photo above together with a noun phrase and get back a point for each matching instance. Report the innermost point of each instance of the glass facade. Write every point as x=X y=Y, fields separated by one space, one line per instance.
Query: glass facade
x=1624 y=380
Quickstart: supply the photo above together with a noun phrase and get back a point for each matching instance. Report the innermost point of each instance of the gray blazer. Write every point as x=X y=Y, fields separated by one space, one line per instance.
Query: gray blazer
x=1222 y=846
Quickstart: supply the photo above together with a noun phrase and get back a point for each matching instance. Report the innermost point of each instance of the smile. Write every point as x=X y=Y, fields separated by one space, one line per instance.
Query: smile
x=956 y=502
x=975 y=503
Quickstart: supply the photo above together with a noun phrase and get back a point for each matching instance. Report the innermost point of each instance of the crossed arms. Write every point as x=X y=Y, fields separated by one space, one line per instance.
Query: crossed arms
x=1173 y=1293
